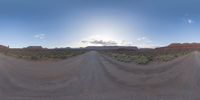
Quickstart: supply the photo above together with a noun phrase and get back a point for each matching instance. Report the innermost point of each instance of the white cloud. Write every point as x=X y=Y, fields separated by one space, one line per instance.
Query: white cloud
x=187 y=19
x=142 y=42
x=190 y=21
x=101 y=42
x=144 y=39
x=40 y=36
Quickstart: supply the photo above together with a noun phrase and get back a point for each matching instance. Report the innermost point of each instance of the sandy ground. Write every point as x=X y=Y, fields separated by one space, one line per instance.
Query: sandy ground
x=92 y=76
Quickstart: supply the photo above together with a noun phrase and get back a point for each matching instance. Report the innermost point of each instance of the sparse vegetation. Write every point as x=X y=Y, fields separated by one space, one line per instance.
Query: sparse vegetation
x=170 y=56
x=44 y=54
x=144 y=57
x=140 y=59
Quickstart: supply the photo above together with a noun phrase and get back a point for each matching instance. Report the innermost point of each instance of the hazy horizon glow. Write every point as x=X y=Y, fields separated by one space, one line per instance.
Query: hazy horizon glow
x=80 y=23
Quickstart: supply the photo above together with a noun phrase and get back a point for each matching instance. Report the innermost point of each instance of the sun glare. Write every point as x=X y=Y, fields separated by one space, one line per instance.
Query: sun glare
x=102 y=37
x=107 y=31
x=103 y=28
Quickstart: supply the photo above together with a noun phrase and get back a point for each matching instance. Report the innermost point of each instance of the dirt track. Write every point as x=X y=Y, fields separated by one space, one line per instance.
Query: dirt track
x=92 y=76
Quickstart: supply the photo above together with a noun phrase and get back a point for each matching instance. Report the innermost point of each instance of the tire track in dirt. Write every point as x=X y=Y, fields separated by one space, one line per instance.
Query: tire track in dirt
x=93 y=77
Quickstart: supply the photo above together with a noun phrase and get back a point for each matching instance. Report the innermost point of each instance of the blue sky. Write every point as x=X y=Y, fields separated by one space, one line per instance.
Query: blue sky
x=80 y=23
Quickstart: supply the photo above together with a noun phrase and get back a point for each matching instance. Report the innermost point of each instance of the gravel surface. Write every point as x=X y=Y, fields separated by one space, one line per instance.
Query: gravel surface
x=92 y=76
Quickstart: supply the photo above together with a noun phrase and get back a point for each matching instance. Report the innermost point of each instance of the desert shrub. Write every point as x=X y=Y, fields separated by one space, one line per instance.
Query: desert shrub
x=43 y=54
x=145 y=57
x=127 y=58
x=166 y=57
x=142 y=59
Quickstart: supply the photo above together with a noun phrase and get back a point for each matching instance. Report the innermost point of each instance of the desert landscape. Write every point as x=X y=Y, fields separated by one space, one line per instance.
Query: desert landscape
x=96 y=75
x=99 y=50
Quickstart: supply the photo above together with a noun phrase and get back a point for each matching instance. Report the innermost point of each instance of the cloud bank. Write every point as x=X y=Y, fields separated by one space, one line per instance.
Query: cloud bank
x=101 y=42
x=40 y=36
x=142 y=42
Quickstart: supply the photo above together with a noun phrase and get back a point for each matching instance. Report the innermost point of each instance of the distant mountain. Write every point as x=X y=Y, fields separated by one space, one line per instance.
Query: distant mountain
x=171 y=47
x=34 y=48
x=182 y=46
x=3 y=47
x=111 y=48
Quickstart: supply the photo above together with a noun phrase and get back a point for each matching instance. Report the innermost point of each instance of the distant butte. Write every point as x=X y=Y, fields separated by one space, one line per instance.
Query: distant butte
x=182 y=46
x=173 y=46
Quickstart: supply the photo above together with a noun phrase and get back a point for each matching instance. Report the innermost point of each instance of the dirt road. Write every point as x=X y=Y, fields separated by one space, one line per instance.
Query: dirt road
x=92 y=76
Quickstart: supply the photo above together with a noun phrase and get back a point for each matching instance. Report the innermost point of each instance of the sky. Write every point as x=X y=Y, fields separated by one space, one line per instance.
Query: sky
x=81 y=23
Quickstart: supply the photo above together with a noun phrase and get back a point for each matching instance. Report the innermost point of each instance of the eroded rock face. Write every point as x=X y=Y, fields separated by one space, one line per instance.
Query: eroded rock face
x=183 y=46
x=3 y=47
